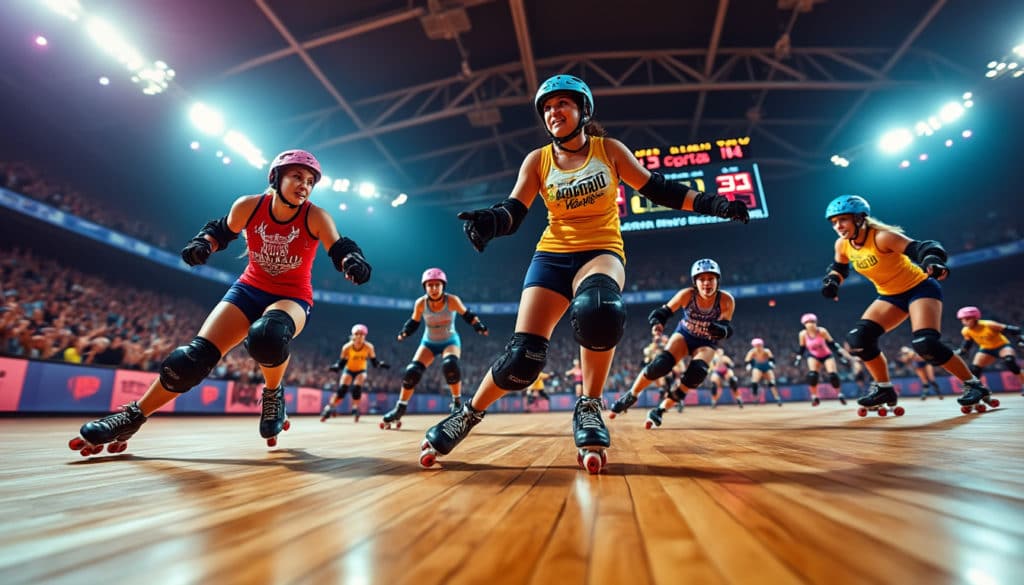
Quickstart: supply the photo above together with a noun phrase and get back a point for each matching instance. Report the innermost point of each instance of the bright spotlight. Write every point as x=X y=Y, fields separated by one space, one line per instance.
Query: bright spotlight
x=894 y=141
x=966 y=134
x=325 y=181
x=241 y=144
x=343 y=206
x=992 y=64
x=969 y=104
x=369 y=209
x=342 y=185
x=41 y=41
x=367 y=189
x=207 y=119
x=219 y=153
x=104 y=80
x=991 y=73
x=968 y=95
x=194 y=145
x=1018 y=73
x=950 y=112
x=1019 y=49
x=70 y=9
x=923 y=156
x=226 y=160
x=904 y=164
x=949 y=142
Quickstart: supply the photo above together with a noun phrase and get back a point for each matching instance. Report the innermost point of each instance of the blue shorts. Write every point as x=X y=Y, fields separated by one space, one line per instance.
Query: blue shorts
x=927 y=289
x=694 y=343
x=253 y=302
x=919 y=365
x=994 y=352
x=556 y=271
x=437 y=347
x=763 y=366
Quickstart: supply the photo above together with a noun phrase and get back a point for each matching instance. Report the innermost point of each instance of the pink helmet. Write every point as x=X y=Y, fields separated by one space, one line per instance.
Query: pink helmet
x=757 y=341
x=808 y=317
x=360 y=328
x=968 y=313
x=434 y=274
x=294 y=157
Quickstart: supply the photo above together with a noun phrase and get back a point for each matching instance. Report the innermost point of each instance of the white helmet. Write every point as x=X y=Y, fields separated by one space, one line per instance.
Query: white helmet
x=704 y=266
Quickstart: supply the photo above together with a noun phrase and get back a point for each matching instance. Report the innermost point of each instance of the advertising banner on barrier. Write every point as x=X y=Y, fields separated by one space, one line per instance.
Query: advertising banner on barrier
x=12 y=378
x=310 y=400
x=130 y=385
x=56 y=387
x=209 y=397
x=243 y=398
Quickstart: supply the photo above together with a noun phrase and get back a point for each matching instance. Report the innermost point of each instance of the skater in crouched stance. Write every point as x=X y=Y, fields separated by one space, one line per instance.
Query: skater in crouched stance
x=905 y=273
x=265 y=308
x=579 y=263
x=707 y=319
x=352 y=364
x=993 y=341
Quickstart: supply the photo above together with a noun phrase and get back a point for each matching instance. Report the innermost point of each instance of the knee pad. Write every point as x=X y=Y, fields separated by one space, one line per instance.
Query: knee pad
x=833 y=380
x=812 y=378
x=597 y=314
x=342 y=391
x=660 y=366
x=357 y=392
x=734 y=384
x=753 y=388
x=269 y=337
x=521 y=362
x=186 y=366
x=413 y=373
x=975 y=369
x=695 y=374
x=863 y=339
x=1011 y=363
x=679 y=395
x=928 y=344
x=450 y=369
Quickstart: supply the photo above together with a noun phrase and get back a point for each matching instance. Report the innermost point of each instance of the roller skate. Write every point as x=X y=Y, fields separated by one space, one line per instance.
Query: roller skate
x=326 y=413
x=654 y=417
x=622 y=404
x=842 y=399
x=355 y=415
x=976 y=397
x=880 y=399
x=739 y=402
x=273 y=418
x=393 y=418
x=445 y=435
x=815 y=401
x=456 y=404
x=114 y=430
x=543 y=396
x=590 y=435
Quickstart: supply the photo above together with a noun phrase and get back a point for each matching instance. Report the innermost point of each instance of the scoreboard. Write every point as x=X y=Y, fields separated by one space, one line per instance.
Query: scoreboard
x=723 y=167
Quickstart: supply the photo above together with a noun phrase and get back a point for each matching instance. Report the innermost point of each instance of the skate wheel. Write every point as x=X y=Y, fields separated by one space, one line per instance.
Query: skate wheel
x=965 y=409
x=272 y=442
x=980 y=407
x=592 y=462
x=287 y=425
x=862 y=411
x=899 y=411
x=427 y=458
x=116 y=447
x=883 y=411
x=611 y=414
x=994 y=403
x=76 y=444
x=398 y=425
x=648 y=425
x=383 y=426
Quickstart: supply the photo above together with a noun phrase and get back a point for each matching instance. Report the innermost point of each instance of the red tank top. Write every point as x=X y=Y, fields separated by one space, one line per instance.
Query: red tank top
x=280 y=253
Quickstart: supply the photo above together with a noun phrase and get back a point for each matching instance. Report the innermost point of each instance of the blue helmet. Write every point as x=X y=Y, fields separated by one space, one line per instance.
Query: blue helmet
x=567 y=83
x=705 y=266
x=847 y=204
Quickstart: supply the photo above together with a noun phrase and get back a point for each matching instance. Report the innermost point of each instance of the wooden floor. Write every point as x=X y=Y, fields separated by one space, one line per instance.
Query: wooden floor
x=760 y=495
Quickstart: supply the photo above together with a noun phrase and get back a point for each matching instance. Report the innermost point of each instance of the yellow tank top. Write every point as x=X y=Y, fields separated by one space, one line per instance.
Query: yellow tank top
x=891 y=273
x=582 y=212
x=356 y=357
x=985 y=335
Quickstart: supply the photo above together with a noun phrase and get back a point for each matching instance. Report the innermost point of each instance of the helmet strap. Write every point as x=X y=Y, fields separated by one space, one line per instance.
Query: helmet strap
x=857 y=225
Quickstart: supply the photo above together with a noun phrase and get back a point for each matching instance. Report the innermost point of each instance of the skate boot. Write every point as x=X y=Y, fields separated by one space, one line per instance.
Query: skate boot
x=114 y=429
x=654 y=417
x=815 y=401
x=878 y=400
x=445 y=435
x=544 y=396
x=679 y=406
x=590 y=434
x=355 y=415
x=273 y=418
x=393 y=417
x=976 y=396
x=530 y=399
x=456 y=405
x=622 y=404
x=842 y=399
x=325 y=413
x=739 y=402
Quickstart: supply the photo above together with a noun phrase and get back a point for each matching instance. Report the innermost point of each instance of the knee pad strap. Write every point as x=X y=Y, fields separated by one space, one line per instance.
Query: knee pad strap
x=521 y=362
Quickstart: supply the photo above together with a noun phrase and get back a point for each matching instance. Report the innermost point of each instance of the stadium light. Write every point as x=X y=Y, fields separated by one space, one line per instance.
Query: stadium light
x=367 y=189
x=70 y=9
x=41 y=41
x=208 y=120
x=951 y=112
x=342 y=185
x=241 y=144
x=896 y=140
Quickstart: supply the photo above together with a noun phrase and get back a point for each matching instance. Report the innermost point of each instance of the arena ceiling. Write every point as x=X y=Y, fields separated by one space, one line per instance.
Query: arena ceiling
x=433 y=97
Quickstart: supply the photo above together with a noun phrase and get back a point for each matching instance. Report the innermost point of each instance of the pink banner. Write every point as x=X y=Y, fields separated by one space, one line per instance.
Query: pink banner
x=1011 y=381
x=130 y=385
x=243 y=398
x=310 y=401
x=12 y=378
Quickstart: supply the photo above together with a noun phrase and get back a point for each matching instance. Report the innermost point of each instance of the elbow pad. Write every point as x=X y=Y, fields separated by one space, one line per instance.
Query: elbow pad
x=840 y=268
x=516 y=212
x=218 y=230
x=410 y=327
x=663 y=192
x=659 y=316
x=468 y=316
x=919 y=250
x=343 y=247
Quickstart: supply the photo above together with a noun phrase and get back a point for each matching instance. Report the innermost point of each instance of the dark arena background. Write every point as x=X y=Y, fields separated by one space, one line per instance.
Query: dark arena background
x=126 y=126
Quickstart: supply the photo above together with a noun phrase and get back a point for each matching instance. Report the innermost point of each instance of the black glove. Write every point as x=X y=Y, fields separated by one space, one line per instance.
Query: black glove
x=830 y=286
x=481 y=226
x=336 y=366
x=356 y=268
x=717 y=331
x=734 y=210
x=935 y=267
x=796 y=360
x=659 y=316
x=197 y=251
x=480 y=328
x=384 y=365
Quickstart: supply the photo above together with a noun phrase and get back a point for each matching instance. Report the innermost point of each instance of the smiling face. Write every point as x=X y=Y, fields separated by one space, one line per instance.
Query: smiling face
x=706 y=284
x=561 y=114
x=845 y=225
x=297 y=183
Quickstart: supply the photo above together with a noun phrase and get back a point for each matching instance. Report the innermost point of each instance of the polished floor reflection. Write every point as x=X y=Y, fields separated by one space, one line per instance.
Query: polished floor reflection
x=759 y=495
